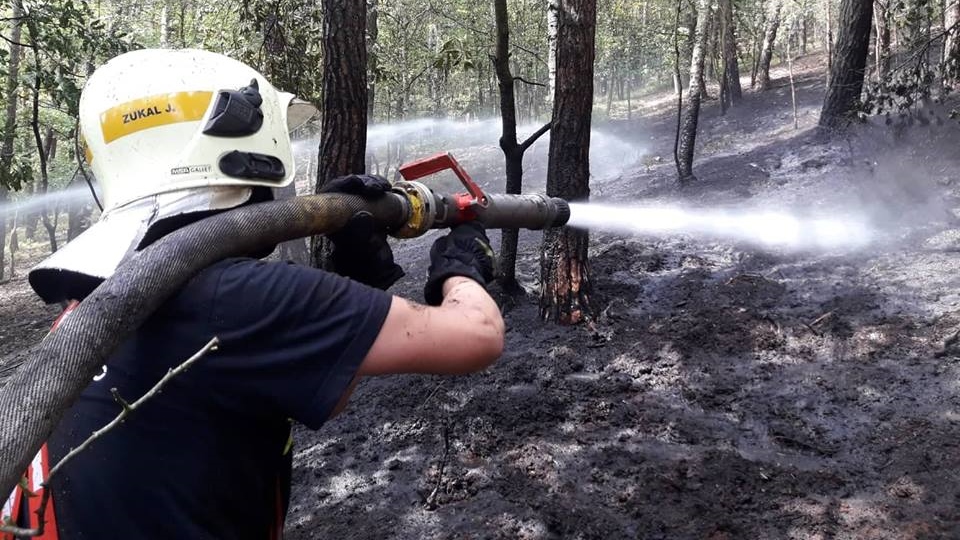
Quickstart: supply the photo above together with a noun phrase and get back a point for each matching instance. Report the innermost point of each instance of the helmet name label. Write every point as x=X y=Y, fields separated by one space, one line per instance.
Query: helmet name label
x=153 y=111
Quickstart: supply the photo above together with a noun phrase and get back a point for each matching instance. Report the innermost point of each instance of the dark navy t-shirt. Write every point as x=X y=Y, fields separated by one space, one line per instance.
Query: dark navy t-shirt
x=209 y=456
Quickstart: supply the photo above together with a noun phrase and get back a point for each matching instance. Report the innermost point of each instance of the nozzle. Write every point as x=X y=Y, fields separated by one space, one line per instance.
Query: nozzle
x=524 y=212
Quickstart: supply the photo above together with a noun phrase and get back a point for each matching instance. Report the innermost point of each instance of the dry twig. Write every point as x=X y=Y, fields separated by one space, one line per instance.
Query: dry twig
x=822 y=318
x=431 y=502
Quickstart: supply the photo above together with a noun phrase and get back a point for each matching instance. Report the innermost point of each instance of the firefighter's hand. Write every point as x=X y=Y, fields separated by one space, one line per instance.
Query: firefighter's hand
x=360 y=250
x=464 y=252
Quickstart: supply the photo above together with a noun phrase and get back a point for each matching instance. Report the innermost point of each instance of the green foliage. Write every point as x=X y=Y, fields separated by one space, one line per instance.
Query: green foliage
x=284 y=40
x=923 y=71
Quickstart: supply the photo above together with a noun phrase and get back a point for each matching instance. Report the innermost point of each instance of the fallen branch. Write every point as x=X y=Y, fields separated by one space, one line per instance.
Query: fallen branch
x=822 y=318
x=127 y=409
x=431 y=502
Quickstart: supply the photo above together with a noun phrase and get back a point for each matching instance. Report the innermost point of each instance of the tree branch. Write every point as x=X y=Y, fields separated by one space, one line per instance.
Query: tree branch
x=531 y=83
x=531 y=53
x=17 y=43
x=127 y=409
x=536 y=135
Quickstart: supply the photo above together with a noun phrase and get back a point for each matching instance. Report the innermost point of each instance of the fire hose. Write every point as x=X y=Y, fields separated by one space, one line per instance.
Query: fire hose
x=47 y=384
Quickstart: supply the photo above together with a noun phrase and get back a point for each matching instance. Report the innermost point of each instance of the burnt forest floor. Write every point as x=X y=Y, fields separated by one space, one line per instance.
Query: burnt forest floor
x=725 y=391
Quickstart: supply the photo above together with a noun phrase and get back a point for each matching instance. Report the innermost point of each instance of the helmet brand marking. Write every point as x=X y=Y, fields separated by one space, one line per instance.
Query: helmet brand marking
x=153 y=111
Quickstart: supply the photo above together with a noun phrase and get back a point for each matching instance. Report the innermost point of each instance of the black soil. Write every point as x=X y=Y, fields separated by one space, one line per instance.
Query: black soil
x=724 y=391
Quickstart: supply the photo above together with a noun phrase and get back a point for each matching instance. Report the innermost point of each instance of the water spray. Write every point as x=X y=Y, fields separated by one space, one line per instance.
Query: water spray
x=767 y=228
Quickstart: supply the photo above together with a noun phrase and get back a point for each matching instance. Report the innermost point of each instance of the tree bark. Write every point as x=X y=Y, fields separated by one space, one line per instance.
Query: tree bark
x=10 y=121
x=343 y=132
x=731 y=68
x=766 y=53
x=564 y=268
x=849 y=64
x=688 y=128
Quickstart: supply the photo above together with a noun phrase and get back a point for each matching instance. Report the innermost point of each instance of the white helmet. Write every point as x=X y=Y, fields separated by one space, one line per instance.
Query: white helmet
x=156 y=121
x=168 y=133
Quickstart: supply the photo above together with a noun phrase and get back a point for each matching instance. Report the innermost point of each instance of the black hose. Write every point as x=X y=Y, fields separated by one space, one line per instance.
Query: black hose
x=39 y=393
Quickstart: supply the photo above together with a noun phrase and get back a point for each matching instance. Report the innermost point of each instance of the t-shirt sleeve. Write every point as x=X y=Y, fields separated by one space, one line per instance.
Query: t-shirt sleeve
x=292 y=337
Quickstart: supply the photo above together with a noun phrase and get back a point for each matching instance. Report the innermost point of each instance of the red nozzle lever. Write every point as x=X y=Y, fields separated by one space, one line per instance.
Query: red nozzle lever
x=439 y=162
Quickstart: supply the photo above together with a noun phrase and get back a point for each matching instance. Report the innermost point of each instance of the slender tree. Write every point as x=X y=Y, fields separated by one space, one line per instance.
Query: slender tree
x=951 y=46
x=849 y=64
x=46 y=145
x=512 y=150
x=731 y=68
x=881 y=16
x=565 y=271
x=766 y=52
x=552 y=24
x=687 y=136
x=343 y=137
x=10 y=121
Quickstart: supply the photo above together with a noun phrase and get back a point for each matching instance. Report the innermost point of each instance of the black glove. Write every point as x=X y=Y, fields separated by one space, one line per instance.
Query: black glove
x=360 y=250
x=464 y=252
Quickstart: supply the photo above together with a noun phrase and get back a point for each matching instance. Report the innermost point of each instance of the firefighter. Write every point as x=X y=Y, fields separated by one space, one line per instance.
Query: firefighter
x=174 y=136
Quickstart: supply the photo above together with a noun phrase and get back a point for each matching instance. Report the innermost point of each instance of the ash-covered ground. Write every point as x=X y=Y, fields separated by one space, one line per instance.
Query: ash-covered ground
x=724 y=391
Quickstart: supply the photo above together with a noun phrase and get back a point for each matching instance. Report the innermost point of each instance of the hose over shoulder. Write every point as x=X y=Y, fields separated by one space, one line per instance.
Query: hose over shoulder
x=39 y=393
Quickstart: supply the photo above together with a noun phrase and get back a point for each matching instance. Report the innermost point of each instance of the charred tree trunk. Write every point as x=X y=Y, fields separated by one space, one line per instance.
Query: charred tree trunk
x=882 y=45
x=512 y=150
x=687 y=136
x=731 y=68
x=343 y=132
x=766 y=53
x=9 y=122
x=849 y=63
x=564 y=268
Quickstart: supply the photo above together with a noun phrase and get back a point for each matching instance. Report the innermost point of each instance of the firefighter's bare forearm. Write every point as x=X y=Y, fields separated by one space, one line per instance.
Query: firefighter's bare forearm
x=468 y=300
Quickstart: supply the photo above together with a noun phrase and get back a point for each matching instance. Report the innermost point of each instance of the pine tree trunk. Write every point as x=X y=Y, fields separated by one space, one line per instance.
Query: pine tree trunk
x=766 y=53
x=10 y=120
x=688 y=126
x=731 y=68
x=849 y=64
x=564 y=268
x=343 y=135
